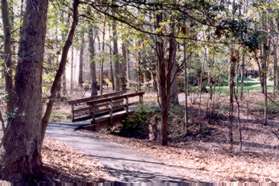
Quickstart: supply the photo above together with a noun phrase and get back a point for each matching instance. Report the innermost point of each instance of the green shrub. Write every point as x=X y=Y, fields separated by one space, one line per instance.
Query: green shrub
x=136 y=125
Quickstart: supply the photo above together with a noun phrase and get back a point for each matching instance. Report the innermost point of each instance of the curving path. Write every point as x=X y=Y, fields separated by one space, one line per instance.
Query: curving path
x=121 y=162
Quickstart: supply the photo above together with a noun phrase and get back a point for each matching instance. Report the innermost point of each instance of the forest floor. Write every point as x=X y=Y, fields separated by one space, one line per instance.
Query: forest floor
x=64 y=164
x=121 y=162
x=203 y=153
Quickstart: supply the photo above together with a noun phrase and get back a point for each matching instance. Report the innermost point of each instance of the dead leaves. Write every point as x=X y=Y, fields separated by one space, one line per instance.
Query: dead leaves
x=71 y=163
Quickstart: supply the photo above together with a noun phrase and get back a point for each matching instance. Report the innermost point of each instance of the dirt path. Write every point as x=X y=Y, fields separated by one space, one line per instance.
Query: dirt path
x=121 y=162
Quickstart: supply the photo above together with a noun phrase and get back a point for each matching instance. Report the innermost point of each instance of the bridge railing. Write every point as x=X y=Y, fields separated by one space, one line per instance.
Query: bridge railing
x=80 y=109
x=115 y=104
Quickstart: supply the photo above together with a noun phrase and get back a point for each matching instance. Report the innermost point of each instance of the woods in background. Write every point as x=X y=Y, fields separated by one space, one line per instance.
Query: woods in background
x=51 y=50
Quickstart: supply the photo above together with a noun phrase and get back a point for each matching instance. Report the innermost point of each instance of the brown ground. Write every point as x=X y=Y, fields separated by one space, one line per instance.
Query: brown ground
x=207 y=153
x=70 y=165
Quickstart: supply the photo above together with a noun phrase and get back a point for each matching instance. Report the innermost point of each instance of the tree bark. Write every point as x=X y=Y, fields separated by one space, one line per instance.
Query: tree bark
x=265 y=48
x=64 y=84
x=275 y=65
x=8 y=56
x=242 y=71
x=94 y=85
x=111 y=61
x=186 y=116
x=124 y=65
x=80 y=77
x=233 y=63
x=23 y=138
x=163 y=84
x=174 y=68
x=103 y=58
x=72 y=70
x=116 y=62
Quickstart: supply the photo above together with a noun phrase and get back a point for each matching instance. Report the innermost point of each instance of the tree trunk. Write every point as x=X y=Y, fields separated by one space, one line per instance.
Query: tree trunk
x=111 y=61
x=94 y=85
x=116 y=62
x=233 y=63
x=264 y=77
x=124 y=65
x=80 y=77
x=128 y=68
x=275 y=65
x=8 y=56
x=72 y=71
x=174 y=69
x=103 y=58
x=186 y=116
x=264 y=62
x=23 y=138
x=139 y=71
x=64 y=84
x=163 y=85
x=242 y=71
x=56 y=57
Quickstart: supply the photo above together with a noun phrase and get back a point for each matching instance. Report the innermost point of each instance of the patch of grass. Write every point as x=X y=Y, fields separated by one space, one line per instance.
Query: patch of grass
x=249 y=86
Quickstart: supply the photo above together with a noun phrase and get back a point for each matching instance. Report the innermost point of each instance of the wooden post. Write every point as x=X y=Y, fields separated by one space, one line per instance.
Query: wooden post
x=93 y=114
x=73 y=114
x=111 y=111
x=127 y=104
x=141 y=98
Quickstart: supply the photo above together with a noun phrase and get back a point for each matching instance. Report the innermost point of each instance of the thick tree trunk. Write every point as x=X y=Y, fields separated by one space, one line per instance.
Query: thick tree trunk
x=164 y=100
x=61 y=68
x=163 y=84
x=8 y=56
x=64 y=84
x=23 y=138
x=80 y=76
x=94 y=85
x=174 y=91
x=173 y=66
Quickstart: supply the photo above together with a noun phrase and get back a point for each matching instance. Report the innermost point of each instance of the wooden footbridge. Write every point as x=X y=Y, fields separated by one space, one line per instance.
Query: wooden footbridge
x=106 y=107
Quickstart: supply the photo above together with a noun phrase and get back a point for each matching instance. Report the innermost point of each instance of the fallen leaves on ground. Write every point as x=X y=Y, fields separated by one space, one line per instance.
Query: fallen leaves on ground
x=70 y=164
x=207 y=165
